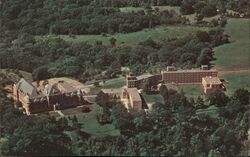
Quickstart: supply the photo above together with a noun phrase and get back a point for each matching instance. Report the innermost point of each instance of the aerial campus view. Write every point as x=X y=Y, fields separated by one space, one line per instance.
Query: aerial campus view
x=125 y=78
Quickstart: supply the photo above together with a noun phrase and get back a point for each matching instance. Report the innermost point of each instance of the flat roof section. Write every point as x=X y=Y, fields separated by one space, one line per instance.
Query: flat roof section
x=212 y=80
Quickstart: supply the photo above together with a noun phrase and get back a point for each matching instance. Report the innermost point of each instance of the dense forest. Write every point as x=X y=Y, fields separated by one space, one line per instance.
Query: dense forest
x=56 y=57
x=102 y=16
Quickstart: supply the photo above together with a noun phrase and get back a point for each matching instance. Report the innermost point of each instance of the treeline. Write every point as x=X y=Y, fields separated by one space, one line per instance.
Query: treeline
x=53 y=57
x=101 y=16
x=78 y=17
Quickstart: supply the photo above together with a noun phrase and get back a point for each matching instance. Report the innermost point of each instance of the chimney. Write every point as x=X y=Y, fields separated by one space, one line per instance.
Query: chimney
x=204 y=67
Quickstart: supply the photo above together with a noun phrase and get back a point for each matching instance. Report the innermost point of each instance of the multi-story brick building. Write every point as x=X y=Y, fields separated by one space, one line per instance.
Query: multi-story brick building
x=130 y=97
x=187 y=76
x=171 y=75
x=46 y=95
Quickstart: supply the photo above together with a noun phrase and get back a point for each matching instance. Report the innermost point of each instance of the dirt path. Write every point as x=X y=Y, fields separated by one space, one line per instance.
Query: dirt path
x=232 y=70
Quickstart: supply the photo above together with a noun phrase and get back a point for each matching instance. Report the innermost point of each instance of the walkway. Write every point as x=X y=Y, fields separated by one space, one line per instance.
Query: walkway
x=60 y=113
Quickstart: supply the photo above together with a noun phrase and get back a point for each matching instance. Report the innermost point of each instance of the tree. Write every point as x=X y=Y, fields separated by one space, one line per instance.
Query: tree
x=40 y=73
x=146 y=87
x=198 y=6
x=186 y=9
x=113 y=41
x=164 y=91
x=242 y=95
x=122 y=119
x=205 y=57
x=209 y=10
x=38 y=136
x=203 y=36
x=102 y=99
x=199 y=102
x=217 y=98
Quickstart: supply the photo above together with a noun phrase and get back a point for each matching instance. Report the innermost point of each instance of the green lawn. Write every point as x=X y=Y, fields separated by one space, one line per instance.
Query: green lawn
x=114 y=83
x=236 y=53
x=157 y=33
x=192 y=90
x=236 y=81
x=153 y=98
x=90 y=124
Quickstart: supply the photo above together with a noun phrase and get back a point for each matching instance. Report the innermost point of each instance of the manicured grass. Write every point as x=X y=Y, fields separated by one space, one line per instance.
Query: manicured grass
x=158 y=33
x=211 y=111
x=191 y=90
x=153 y=98
x=114 y=83
x=235 y=81
x=236 y=53
x=91 y=126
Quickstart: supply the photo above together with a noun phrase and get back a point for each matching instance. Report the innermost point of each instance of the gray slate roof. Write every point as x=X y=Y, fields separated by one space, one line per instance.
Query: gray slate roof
x=26 y=87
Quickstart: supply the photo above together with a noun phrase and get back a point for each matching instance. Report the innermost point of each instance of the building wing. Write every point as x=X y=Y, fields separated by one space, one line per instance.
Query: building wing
x=26 y=87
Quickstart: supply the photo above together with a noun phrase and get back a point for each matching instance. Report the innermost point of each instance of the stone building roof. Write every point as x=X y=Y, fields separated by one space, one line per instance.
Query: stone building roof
x=26 y=87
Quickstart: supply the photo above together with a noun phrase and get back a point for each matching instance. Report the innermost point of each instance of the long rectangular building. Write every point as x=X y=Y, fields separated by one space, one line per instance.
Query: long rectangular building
x=187 y=76
x=171 y=76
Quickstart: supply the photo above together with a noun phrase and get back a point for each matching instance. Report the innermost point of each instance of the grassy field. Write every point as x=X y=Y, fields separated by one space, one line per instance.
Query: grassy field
x=90 y=124
x=161 y=8
x=158 y=33
x=191 y=90
x=114 y=83
x=153 y=98
x=237 y=53
x=236 y=81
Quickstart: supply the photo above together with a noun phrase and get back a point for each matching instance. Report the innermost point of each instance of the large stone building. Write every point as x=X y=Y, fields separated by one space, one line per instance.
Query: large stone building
x=171 y=75
x=211 y=83
x=47 y=95
x=130 y=97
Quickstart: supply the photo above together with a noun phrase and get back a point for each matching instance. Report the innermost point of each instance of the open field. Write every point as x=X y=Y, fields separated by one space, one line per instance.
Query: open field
x=161 y=8
x=158 y=33
x=237 y=53
x=235 y=81
x=90 y=124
